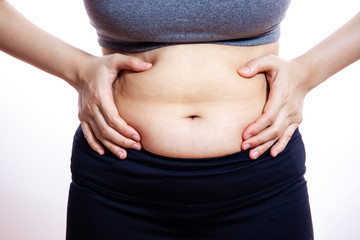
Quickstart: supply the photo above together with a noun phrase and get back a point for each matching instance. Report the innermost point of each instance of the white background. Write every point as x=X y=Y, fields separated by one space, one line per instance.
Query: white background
x=38 y=117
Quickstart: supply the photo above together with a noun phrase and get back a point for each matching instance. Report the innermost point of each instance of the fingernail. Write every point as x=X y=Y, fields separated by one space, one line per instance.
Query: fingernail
x=245 y=70
x=136 y=146
x=247 y=146
x=135 y=137
x=100 y=151
x=256 y=155
x=275 y=153
x=120 y=155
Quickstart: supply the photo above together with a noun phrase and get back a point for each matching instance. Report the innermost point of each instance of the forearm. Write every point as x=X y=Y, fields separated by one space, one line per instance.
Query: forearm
x=25 y=41
x=332 y=54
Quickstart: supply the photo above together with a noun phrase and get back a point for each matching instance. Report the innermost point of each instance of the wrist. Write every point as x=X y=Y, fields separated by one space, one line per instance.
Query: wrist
x=307 y=72
x=77 y=70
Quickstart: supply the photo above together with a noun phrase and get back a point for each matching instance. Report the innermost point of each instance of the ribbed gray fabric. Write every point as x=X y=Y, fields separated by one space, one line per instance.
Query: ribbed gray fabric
x=139 y=25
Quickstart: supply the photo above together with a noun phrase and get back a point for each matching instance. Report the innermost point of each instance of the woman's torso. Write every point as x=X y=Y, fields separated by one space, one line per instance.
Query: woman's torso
x=192 y=103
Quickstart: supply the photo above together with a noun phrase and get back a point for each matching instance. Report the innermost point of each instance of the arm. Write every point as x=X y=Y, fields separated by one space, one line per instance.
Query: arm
x=289 y=83
x=333 y=54
x=25 y=41
x=91 y=76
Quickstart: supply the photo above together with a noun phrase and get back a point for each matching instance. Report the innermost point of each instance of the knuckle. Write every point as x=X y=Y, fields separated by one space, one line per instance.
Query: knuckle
x=96 y=132
x=84 y=119
x=127 y=132
x=288 y=96
x=287 y=138
x=89 y=139
x=86 y=133
x=96 y=96
x=295 y=117
x=255 y=142
x=113 y=58
x=276 y=132
x=111 y=120
x=80 y=116
x=300 y=118
x=112 y=148
x=293 y=109
x=127 y=143
x=132 y=61
x=87 y=107
x=284 y=140
x=123 y=143
x=270 y=118
x=103 y=131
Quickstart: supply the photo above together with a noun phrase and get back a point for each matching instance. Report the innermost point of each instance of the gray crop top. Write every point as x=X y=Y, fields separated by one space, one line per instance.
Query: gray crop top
x=138 y=25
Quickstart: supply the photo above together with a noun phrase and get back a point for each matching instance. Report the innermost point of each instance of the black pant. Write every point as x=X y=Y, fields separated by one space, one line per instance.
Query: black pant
x=148 y=196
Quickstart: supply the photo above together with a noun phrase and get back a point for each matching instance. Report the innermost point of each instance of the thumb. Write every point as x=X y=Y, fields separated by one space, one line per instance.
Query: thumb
x=258 y=65
x=130 y=63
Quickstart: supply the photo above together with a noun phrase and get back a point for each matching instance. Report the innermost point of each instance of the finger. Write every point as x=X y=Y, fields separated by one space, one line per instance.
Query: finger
x=260 y=125
x=112 y=135
x=110 y=113
x=114 y=148
x=268 y=135
x=129 y=63
x=91 y=139
x=280 y=145
x=271 y=133
x=270 y=114
x=258 y=151
x=258 y=65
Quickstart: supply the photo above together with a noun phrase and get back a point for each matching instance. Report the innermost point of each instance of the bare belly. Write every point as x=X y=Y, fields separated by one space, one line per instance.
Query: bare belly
x=192 y=103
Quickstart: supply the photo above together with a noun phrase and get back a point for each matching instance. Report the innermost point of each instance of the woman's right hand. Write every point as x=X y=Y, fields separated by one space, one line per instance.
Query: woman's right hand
x=99 y=117
x=91 y=76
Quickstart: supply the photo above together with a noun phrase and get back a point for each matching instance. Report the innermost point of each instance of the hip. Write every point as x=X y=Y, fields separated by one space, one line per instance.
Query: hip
x=147 y=178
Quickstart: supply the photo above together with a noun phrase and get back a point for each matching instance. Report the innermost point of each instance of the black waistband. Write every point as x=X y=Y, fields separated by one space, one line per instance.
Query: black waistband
x=205 y=182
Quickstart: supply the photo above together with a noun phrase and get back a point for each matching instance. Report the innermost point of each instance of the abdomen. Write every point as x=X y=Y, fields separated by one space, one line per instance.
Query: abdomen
x=191 y=103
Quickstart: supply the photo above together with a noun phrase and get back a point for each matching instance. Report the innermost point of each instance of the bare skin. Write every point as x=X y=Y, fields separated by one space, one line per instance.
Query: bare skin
x=290 y=81
x=93 y=78
x=192 y=103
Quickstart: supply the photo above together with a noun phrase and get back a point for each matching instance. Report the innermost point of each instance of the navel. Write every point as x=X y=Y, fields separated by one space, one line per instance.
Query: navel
x=193 y=117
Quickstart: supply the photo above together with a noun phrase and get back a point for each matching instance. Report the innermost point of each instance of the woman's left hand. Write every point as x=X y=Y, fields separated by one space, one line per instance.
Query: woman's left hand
x=282 y=113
